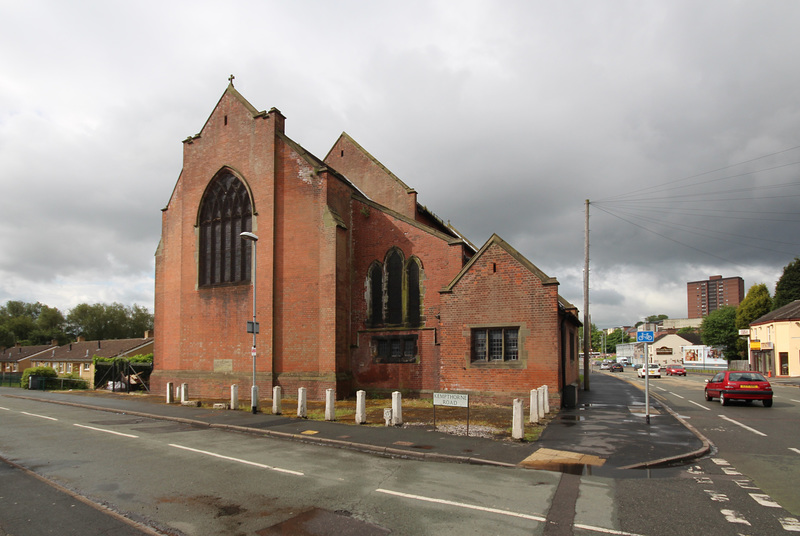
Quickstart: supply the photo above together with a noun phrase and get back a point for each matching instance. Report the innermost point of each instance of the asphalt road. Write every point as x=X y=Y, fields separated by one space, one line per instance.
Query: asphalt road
x=177 y=479
x=762 y=443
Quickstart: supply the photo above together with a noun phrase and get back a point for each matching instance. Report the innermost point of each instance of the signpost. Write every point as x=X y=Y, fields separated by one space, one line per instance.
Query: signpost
x=646 y=337
x=453 y=400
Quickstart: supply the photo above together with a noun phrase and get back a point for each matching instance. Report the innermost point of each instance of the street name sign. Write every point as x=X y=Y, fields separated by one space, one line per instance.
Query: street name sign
x=455 y=400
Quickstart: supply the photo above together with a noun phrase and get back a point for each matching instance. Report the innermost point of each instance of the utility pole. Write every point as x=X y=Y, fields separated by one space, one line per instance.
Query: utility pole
x=587 y=327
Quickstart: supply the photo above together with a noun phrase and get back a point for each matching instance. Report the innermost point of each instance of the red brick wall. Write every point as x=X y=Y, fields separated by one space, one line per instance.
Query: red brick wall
x=498 y=291
x=374 y=180
x=374 y=233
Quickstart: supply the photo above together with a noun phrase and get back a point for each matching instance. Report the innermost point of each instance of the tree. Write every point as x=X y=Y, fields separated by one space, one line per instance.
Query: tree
x=757 y=303
x=656 y=318
x=618 y=336
x=787 y=289
x=102 y=321
x=719 y=329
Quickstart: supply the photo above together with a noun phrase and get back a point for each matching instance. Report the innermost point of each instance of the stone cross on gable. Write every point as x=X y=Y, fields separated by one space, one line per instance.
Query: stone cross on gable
x=230 y=79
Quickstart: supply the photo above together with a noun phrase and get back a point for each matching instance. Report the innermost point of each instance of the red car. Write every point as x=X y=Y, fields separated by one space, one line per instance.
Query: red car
x=676 y=370
x=739 y=385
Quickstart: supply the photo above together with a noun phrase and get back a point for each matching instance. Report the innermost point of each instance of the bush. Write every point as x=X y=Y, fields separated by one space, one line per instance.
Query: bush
x=45 y=372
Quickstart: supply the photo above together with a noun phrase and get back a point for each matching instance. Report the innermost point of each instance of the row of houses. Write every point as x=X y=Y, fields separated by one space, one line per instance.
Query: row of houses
x=73 y=358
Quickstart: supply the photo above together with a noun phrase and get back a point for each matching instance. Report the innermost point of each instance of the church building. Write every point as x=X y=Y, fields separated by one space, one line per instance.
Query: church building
x=358 y=285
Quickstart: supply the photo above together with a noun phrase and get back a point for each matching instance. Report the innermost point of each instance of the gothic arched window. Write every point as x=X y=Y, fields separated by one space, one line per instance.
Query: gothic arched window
x=376 y=295
x=414 y=315
x=225 y=212
x=394 y=288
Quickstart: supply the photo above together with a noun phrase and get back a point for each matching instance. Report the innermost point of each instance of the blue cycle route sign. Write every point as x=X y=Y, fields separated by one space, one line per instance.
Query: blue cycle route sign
x=644 y=336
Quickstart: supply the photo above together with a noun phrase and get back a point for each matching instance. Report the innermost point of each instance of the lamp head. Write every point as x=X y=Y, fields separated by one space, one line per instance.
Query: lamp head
x=248 y=236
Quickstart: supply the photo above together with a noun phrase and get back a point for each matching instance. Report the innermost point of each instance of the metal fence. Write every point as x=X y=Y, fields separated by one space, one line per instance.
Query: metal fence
x=10 y=379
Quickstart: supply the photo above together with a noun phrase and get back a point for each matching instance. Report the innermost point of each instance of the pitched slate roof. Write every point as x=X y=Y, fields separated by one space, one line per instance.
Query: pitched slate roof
x=84 y=351
x=18 y=353
x=790 y=311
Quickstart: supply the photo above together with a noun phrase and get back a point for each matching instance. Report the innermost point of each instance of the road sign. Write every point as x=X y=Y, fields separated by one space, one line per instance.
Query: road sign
x=644 y=336
x=253 y=352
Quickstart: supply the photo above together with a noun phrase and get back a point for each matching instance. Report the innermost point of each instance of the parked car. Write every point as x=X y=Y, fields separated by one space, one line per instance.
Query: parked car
x=676 y=370
x=654 y=372
x=604 y=366
x=616 y=367
x=739 y=385
x=637 y=366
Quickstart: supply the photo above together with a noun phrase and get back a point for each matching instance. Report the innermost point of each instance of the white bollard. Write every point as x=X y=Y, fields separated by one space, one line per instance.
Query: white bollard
x=234 y=396
x=170 y=393
x=397 y=408
x=184 y=392
x=301 y=403
x=517 y=427
x=546 y=399
x=361 y=407
x=330 y=409
x=540 y=395
x=254 y=399
x=534 y=416
x=276 y=400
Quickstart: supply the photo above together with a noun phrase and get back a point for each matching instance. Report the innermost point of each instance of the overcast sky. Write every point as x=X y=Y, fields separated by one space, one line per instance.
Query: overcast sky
x=679 y=121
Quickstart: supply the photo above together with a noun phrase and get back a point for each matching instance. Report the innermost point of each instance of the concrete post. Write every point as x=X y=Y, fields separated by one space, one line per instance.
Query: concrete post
x=517 y=426
x=361 y=407
x=546 y=398
x=534 y=416
x=170 y=393
x=330 y=409
x=184 y=392
x=276 y=400
x=301 y=403
x=254 y=399
x=397 y=408
x=234 y=396
x=540 y=394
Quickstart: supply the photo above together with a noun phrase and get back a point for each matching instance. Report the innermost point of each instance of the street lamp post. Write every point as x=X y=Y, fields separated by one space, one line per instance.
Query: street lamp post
x=252 y=327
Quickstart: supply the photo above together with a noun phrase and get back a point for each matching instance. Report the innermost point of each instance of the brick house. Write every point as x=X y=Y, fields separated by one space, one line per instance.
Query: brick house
x=17 y=358
x=77 y=357
x=358 y=285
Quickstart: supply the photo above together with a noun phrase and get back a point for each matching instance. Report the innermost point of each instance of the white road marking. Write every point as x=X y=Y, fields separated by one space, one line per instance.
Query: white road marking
x=720 y=461
x=716 y=496
x=261 y=465
x=794 y=450
x=498 y=511
x=107 y=431
x=40 y=416
x=790 y=523
x=744 y=426
x=733 y=516
x=5 y=409
x=704 y=480
x=731 y=471
x=792 y=399
x=660 y=388
x=764 y=500
x=676 y=394
x=699 y=405
x=745 y=484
